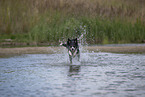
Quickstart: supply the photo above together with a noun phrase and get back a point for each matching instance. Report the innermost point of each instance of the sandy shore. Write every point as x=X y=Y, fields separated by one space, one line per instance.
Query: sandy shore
x=6 y=52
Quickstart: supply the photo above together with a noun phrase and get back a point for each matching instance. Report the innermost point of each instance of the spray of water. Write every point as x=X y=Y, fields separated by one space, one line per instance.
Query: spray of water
x=82 y=42
x=84 y=53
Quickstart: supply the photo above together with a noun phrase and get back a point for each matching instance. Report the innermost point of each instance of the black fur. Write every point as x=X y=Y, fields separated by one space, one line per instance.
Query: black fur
x=73 y=48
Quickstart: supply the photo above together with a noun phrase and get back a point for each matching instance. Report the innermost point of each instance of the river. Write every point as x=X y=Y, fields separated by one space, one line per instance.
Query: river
x=97 y=74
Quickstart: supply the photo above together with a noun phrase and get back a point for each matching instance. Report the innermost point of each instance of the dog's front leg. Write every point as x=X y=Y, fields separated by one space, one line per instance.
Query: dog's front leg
x=78 y=54
x=70 y=58
x=78 y=57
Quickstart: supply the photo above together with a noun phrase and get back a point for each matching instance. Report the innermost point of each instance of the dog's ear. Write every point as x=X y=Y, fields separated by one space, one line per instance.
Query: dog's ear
x=68 y=42
x=76 y=40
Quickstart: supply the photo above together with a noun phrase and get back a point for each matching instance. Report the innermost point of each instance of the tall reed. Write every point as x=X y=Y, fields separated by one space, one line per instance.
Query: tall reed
x=105 y=21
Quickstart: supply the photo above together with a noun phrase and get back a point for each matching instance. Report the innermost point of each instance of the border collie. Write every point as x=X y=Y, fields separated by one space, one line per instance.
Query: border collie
x=73 y=48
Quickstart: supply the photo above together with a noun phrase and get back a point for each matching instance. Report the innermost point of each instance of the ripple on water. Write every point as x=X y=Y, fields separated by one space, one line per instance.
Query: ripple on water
x=96 y=74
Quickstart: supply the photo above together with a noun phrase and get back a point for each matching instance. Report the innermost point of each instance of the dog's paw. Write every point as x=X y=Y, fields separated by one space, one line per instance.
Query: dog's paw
x=61 y=43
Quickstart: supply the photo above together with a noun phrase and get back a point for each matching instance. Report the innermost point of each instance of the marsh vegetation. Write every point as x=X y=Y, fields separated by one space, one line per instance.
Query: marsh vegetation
x=47 y=21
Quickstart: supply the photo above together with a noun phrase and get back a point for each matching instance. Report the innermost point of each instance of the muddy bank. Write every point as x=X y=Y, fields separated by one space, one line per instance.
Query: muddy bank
x=6 y=52
x=118 y=49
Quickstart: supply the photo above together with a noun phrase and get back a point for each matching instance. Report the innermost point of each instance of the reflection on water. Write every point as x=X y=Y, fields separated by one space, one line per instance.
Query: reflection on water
x=51 y=75
x=74 y=70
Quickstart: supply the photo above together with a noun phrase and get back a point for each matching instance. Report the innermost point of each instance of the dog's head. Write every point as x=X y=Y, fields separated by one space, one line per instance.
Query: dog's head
x=72 y=44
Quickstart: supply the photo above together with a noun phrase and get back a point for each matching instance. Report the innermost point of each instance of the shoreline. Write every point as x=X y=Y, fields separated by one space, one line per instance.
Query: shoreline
x=8 y=52
x=117 y=49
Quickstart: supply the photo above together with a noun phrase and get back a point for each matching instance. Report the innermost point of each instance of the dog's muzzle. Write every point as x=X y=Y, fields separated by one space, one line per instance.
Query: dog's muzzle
x=72 y=48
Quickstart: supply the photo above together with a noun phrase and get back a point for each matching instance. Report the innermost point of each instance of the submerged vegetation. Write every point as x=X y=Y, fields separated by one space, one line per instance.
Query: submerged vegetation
x=48 y=21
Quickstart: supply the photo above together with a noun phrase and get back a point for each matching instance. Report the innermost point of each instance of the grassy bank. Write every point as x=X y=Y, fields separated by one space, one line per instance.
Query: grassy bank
x=101 y=21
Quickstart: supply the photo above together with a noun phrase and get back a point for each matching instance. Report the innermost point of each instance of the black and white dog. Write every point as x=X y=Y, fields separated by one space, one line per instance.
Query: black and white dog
x=73 y=48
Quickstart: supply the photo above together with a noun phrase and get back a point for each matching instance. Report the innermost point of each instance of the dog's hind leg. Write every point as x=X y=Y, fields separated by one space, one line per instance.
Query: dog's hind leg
x=78 y=54
x=78 y=57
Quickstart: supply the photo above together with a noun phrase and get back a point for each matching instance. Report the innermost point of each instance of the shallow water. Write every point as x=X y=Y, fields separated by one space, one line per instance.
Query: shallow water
x=51 y=75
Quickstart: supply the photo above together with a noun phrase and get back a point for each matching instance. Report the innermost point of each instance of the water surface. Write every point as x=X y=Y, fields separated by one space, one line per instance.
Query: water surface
x=51 y=75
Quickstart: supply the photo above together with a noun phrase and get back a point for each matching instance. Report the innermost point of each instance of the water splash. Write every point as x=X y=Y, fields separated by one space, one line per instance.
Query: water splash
x=82 y=37
x=84 y=53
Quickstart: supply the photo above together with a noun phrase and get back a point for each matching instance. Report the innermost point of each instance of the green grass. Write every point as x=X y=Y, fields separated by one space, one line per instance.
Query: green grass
x=101 y=21
x=96 y=30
